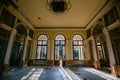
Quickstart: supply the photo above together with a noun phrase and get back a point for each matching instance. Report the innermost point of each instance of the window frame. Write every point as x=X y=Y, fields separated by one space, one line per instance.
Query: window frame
x=80 y=45
x=59 y=45
x=41 y=45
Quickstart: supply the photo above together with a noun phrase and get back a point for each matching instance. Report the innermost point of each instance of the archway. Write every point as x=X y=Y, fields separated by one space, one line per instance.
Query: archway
x=101 y=46
x=18 y=46
x=78 y=48
x=42 y=47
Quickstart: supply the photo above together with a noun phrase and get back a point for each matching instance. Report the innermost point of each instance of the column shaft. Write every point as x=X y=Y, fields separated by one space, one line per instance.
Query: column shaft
x=8 y=50
x=109 y=46
x=94 y=49
x=25 y=48
x=9 y=47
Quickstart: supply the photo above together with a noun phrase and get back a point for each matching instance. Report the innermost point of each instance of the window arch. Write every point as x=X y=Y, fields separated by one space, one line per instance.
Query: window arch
x=60 y=37
x=78 y=47
x=59 y=47
x=42 y=47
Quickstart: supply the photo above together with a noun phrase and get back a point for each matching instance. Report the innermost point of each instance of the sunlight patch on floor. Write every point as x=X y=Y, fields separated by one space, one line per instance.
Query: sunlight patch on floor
x=102 y=74
x=34 y=74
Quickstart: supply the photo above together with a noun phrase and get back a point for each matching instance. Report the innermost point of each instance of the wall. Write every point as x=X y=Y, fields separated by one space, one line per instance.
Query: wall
x=51 y=34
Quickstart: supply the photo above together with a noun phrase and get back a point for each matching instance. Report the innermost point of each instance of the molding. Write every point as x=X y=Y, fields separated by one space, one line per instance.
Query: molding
x=90 y=38
x=6 y=27
x=20 y=16
x=59 y=28
x=114 y=25
x=98 y=12
x=29 y=38
x=18 y=8
x=109 y=28
x=107 y=6
x=81 y=28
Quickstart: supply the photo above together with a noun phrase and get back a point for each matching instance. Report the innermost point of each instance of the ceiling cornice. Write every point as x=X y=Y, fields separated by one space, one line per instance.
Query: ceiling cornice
x=59 y=28
x=97 y=13
x=15 y=8
x=77 y=27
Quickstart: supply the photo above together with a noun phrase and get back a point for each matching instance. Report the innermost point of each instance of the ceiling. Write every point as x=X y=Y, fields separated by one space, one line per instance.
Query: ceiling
x=79 y=15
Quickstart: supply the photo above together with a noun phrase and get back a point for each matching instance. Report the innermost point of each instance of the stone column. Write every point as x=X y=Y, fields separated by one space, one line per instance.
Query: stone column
x=31 y=56
x=24 y=52
x=34 y=49
x=110 y=50
x=8 y=50
x=96 y=61
x=88 y=57
x=87 y=54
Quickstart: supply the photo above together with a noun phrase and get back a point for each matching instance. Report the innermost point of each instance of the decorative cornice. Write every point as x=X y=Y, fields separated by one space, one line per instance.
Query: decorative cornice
x=97 y=13
x=76 y=27
x=59 y=28
x=114 y=25
x=6 y=27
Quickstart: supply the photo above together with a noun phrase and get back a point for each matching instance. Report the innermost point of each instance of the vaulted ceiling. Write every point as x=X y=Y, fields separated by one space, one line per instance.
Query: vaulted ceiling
x=80 y=14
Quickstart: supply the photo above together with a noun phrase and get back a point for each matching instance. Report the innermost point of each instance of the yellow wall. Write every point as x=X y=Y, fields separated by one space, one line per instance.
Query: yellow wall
x=51 y=34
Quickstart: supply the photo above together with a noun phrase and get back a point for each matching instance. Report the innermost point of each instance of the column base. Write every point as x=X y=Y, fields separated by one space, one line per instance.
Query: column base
x=24 y=63
x=31 y=62
x=6 y=67
x=96 y=64
x=115 y=70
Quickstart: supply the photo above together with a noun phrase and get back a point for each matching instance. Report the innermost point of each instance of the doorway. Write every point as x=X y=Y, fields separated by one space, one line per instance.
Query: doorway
x=59 y=56
x=18 y=46
x=101 y=45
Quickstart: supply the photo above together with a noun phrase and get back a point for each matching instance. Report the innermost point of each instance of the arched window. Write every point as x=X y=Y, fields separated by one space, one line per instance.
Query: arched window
x=100 y=50
x=78 y=47
x=59 y=47
x=42 y=47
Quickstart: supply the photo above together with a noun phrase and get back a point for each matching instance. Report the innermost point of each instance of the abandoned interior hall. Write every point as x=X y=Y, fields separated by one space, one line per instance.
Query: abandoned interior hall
x=59 y=39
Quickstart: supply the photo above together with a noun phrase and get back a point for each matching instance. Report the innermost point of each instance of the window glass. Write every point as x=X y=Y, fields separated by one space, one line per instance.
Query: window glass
x=41 y=52
x=59 y=47
x=78 y=47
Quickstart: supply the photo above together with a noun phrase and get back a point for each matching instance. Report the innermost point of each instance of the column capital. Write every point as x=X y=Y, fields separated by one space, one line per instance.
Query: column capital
x=28 y=38
x=92 y=37
x=14 y=31
x=105 y=30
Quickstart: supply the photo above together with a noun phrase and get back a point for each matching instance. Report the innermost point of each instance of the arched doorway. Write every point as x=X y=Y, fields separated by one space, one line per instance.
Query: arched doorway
x=42 y=47
x=59 y=55
x=78 y=48
x=18 y=46
x=101 y=46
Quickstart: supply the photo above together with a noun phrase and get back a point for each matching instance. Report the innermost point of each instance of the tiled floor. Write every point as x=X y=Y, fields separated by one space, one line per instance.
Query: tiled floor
x=88 y=73
x=54 y=73
x=16 y=74
x=33 y=73
x=51 y=74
